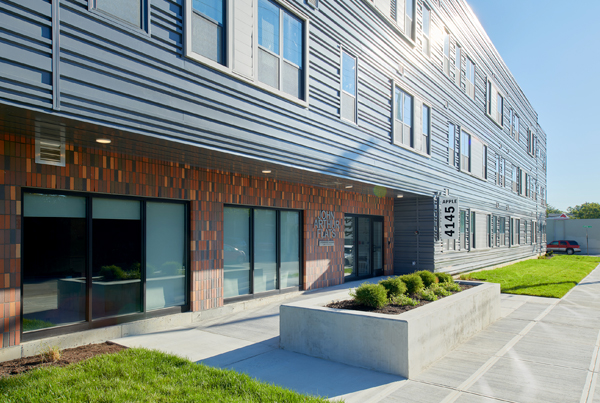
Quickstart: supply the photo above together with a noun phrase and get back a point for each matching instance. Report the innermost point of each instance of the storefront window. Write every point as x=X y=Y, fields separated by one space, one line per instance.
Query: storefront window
x=83 y=258
x=255 y=250
x=54 y=260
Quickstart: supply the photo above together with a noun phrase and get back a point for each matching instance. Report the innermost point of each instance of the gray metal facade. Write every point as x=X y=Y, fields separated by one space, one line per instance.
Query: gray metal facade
x=71 y=60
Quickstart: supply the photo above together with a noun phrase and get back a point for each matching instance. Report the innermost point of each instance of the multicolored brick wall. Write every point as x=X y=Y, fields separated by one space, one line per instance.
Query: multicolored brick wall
x=98 y=170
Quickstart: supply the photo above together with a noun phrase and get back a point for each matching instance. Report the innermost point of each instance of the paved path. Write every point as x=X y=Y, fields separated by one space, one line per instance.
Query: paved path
x=542 y=350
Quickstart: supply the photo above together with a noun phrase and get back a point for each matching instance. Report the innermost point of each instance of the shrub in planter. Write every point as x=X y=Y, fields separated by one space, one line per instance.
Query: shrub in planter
x=444 y=278
x=115 y=273
x=413 y=282
x=394 y=287
x=427 y=277
x=374 y=295
x=404 y=300
x=439 y=290
x=454 y=287
x=427 y=295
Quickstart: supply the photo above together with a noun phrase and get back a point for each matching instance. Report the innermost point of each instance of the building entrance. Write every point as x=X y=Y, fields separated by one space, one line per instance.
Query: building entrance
x=363 y=246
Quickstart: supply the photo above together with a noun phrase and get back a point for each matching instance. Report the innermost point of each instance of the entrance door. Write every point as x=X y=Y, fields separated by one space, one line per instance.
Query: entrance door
x=363 y=246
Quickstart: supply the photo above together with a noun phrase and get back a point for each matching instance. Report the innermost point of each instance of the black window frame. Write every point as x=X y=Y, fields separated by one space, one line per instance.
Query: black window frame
x=89 y=322
x=373 y=219
x=278 y=290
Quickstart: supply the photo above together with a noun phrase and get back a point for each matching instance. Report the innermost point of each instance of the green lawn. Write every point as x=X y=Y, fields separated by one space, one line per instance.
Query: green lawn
x=539 y=277
x=139 y=375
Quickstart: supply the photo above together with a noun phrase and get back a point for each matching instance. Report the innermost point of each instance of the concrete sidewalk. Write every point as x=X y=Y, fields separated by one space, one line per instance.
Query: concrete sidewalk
x=541 y=350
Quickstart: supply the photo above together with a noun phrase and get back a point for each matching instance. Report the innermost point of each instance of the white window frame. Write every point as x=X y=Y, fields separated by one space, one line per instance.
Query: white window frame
x=470 y=91
x=452 y=147
x=228 y=67
x=446 y=53
x=426 y=37
x=457 y=65
x=355 y=96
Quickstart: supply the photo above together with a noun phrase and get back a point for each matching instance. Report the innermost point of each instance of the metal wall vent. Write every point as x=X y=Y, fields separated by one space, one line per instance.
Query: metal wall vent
x=49 y=144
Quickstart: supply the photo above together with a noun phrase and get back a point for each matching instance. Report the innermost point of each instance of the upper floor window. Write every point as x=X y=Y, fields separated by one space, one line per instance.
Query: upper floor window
x=457 y=66
x=465 y=151
x=403 y=113
x=494 y=103
x=280 y=50
x=348 y=87
x=221 y=34
x=408 y=15
x=426 y=30
x=446 y=58
x=451 y=144
x=500 y=110
x=470 y=75
x=514 y=179
x=208 y=26
x=130 y=11
x=530 y=143
x=515 y=128
x=426 y=129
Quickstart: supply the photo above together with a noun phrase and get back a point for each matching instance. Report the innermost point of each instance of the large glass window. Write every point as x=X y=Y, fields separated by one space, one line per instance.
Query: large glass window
x=280 y=59
x=84 y=258
x=446 y=59
x=165 y=255
x=348 y=87
x=116 y=262
x=54 y=260
x=470 y=75
x=208 y=29
x=261 y=251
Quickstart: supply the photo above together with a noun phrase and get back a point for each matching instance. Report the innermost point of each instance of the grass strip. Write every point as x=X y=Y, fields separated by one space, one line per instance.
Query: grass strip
x=140 y=375
x=539 y=277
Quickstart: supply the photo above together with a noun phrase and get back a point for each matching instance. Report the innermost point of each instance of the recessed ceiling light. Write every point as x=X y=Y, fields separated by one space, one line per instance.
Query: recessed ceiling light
x=103 y=141
x=349 y=186
x=266 y=171
x=399 y=195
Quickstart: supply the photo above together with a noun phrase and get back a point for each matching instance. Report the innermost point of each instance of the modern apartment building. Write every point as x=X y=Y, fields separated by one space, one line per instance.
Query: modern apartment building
x=169 y=156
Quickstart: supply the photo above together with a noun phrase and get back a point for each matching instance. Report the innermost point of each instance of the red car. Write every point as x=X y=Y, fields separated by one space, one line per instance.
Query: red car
x=569 y=247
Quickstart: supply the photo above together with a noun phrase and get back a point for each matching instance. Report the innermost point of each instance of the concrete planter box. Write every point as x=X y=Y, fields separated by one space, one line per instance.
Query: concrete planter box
x=402 y=344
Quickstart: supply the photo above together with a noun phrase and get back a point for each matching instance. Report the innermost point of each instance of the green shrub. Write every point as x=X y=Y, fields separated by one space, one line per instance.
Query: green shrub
x=394 y=287
x=454 y=287
x=404 y=300
x=413 y=282
x=374 y=295
x=466 y=276
x=440 y=290
x=444 y=278
x=427 y=277
x=114 y=273
x=427 y=295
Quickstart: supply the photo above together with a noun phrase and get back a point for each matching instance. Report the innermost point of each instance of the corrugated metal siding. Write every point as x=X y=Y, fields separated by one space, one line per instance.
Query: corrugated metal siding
x=141 y=81
x=413 y=235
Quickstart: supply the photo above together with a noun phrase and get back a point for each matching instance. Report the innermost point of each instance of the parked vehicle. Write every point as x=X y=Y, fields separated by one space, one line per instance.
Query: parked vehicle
x=348 y=255
x=569 y=247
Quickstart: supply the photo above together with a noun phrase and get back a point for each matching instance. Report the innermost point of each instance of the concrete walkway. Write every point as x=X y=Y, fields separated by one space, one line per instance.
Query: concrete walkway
x=541 y=350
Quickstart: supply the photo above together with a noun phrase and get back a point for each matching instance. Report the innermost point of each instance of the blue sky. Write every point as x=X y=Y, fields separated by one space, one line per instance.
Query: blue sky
x=551 y=48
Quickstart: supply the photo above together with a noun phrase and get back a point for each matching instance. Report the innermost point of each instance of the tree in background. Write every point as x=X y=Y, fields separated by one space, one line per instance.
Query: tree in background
x=586 y=210
x=552 y=210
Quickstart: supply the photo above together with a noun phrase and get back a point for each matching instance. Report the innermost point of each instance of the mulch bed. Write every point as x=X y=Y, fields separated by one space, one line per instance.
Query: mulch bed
x=67 y=356
x=388 y=309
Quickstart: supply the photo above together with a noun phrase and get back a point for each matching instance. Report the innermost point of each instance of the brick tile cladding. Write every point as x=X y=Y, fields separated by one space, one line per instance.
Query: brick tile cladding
x=94 y=170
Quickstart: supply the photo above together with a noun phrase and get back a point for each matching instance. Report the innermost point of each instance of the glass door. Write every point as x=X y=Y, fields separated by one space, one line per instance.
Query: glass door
x=363 y=246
